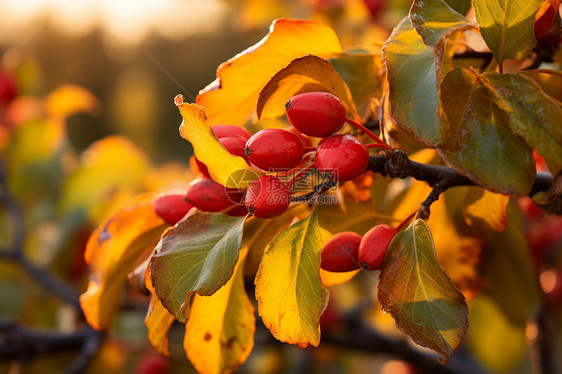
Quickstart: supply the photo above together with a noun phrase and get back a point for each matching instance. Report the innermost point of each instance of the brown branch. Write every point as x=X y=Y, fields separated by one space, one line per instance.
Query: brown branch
x=24 y=344
x=440 y=177
x=21 y=344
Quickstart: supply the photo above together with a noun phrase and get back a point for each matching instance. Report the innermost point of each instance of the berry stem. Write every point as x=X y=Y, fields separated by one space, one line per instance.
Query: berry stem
x=376 y=145
x=300 y=174
x=405 y=221
x=380 y=143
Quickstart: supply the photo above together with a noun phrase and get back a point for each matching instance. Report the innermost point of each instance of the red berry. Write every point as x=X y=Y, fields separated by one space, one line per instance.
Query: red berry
x=234 y=145
x=268 y=197
x=374 y=7
x=152 y=364
x=274 y=150
x=305 y=139
x=374 y=245
x=238 y=210
x=228 y=131
x=340 y=253
x=318 y=114
x=171 y=208
x=8 y=88
x=343 y=155
x=210 y=196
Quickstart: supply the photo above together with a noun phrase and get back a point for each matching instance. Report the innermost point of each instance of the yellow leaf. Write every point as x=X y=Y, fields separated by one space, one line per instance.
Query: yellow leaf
x=69 y=99
x=291 y=297
x=481 y=205
x=232 y=97
x=303 y=74
x=113 y=250
x=219 y=334
x=226 y=169
x=158 y=321
x=111 y=171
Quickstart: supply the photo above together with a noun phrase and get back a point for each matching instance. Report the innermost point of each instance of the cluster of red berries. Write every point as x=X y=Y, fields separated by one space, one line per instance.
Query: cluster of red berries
x=348 y=251
x=342 y=157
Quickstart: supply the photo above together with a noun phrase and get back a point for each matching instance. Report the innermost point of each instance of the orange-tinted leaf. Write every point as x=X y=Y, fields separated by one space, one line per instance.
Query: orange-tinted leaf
x=481 y=205
x=69 y=99
x=232 y=97
x=112 y=252
x=226 y=169
x=158 y=321
x=304 y=74
x=219 y=334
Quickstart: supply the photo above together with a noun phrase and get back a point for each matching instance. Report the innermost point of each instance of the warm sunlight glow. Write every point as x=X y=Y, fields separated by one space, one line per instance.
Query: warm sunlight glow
x=125 y=21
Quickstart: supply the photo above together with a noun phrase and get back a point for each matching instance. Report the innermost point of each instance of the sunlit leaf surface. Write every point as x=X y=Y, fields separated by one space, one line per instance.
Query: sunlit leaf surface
x=507 y=26
x=226 y=169
x=232 y=97
x=290 y=295
x=113 y=250
x=308 y=73
x=480 y=143
x=419 y=295
x=219 y=335
x=433 y=19
x=483 y=206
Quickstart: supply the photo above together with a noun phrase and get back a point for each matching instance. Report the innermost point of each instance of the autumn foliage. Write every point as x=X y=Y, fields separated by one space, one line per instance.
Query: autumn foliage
x=426 y=169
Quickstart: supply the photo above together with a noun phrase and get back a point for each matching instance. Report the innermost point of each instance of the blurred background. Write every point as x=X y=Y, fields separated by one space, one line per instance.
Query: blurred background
x=135 y=56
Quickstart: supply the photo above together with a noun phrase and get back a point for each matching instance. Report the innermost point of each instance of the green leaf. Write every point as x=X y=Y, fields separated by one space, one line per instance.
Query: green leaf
x=479 y=141
x=461 y=6
x=361 y=73
x=419 y=295
x=507 y=26
x=413 y=82
x=291 y=297
x=434 y=19
x=197 y=255
x=533 y=115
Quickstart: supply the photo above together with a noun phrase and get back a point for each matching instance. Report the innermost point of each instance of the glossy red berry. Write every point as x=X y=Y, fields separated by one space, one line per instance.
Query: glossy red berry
x=210 y=196
x=171 y=208
x=305 y=139
x=228 y=131
x=234 y=145
x=342 y=155
x=374 y=245
x=268 y=197
x=340 y=253
x=237 y=210
x=318 y=114
x=274 y=150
